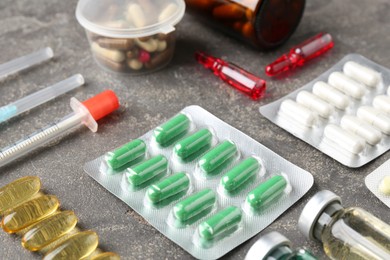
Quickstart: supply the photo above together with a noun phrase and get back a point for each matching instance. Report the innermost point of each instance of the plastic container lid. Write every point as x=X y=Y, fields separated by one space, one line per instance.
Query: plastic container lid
x=129 y=18
x=266 y=244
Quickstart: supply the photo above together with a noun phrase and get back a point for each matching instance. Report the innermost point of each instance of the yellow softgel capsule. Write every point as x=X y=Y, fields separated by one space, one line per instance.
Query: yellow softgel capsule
x=106 y=256
x=49 y=230
x=18 y=192
x=77 y=246
x=29 y=213
x=384 y=186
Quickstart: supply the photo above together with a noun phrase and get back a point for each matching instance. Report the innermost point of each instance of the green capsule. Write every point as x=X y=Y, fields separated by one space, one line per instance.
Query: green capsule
x=172 y=130
x=218 y=156
x=127 y=153
x=240 y=174
x=168 y=187
x=144 y=171
x=217 y=225
x=266 y=192
x=193 y=205
x=193 y=143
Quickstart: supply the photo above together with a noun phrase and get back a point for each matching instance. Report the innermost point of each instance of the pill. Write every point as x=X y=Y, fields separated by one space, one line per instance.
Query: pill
x=382 y=103
x=106 y=256
x=217 y=156
x=346 y=85
x=151 y=45
x=143 y=56
x=194 y=205
x=229 y=12
x=77 y=246
x=384 y=186
x=346 y=140
x=162 y=46
x=110 y=64
x=193 y=143
x=115 y=43
x=330 y=95
x=135 y=64
x=167 y=12
x=313 y=102
x=49 y=230
x=240 y=174
x=144 y=171
x=168 y=187
x=266 y=192
x=136 y=15
x=132 y=54
x=171 y=130
x=361 y=73
x=17 y=192
x=127 y=153
x=359 y=127
x=375 y=117
x=225 y=220
x=29 y=213
x=298 y=113
x=160 y=59
x=113 y=55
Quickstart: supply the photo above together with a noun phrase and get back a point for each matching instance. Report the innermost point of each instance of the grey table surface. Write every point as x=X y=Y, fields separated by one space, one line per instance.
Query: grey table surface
x=358 y=26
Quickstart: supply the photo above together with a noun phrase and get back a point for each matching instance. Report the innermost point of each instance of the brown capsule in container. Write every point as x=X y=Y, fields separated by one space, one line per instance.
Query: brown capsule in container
x=229 y=12
x=159 y=59
x=115 y=43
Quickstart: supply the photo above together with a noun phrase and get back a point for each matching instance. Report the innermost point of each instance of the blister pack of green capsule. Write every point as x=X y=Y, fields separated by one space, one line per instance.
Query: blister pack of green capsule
x=202 y=183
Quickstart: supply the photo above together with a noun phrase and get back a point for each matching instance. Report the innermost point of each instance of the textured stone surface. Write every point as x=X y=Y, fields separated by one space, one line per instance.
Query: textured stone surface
x=360 y=26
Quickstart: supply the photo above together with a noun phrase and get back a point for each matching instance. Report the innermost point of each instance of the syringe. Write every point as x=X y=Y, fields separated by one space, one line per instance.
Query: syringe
x=85 y=113
x=15 y=108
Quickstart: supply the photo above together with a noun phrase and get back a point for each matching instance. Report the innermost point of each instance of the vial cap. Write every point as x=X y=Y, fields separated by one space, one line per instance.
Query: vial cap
x=102 y=104
x=313 y=210
x=266 y=244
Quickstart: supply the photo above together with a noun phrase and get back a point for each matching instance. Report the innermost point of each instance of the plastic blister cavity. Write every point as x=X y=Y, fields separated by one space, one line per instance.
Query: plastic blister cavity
x=378 y=182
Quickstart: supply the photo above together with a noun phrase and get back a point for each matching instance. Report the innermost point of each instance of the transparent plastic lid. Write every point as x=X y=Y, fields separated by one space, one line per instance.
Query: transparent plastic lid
x=129 y=18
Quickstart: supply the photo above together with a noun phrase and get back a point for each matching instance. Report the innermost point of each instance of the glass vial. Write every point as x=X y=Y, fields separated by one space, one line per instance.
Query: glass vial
x=346 y=233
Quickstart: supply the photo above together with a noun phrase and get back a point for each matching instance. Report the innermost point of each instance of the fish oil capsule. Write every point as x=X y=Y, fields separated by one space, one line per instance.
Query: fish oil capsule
x=313 y=102
x=361 y=73
x=129 y=152
x=361 y=128
x=217 y=156
x=171 y=130
x=49 y=230
x=112 y=55
x=193 y=143
x=144 y=171
x=115 y=43
x=330 y=95
x=225 y=220
x=240 y=174
x=18 y=192
x=167 y=12
x=382 y=102
x=349 y=141
x=168 y=187
x=29 y=213
x=384 y=186
x=346 y=85
x=298 y=113
x=229 y=12
x=77 y=246
x=106 y=256
x=266 y=192
x=136 y=15
x=194 y=205
x=375 y=117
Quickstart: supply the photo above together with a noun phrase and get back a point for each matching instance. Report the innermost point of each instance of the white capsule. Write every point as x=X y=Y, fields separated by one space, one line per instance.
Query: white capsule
x=114 y=55
x=167 y=12
x=384 y=186
x=361 y=128
x=150 y=45
x=346 y=85
x=382 y=103
x=136 y=15
x=298 y=112
x=330 y=95
x=348 y=141
x=362 y=73
x=375 y=117
x=134 y=64
x=315 y=103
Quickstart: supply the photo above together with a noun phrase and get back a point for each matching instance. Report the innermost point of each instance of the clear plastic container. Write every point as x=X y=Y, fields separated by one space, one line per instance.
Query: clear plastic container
x=131 y=36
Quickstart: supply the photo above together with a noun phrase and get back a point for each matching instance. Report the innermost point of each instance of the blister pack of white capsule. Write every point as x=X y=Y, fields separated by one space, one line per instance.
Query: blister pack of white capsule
x=345 y=112
x=202 y=183
x=378 y=182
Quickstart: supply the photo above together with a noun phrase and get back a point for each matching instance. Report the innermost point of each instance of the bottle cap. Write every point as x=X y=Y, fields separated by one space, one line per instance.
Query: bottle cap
x=266 y=245
x=102 y=104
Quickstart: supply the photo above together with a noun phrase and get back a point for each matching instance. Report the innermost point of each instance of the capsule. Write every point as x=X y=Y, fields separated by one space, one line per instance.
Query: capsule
x=136 y=15
x=160 y=58
x=312 y=102
x=229 y=12
x=330 y=95
x=106 y=256
x=194 y=205
x=240 y=174
x=346 y=85
x=134 y=64
x=115 y=43
x=129 y=152
x=375 y=117
x=168 y=187
x=167 y=12
x=298 y=113
x=112 y=55
x=29 y=213
x=347 y=140
x=18 y=191
x=150 y=45
x=193 y=143
x=384 y=186
x=147 y=170
x=77 y=246
x=49 y=230
x=361 y=128
x=217 y=156
x=382 y=103
x=225 y=220
x=361 y=73
x=266 y=192
x=171 y=130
